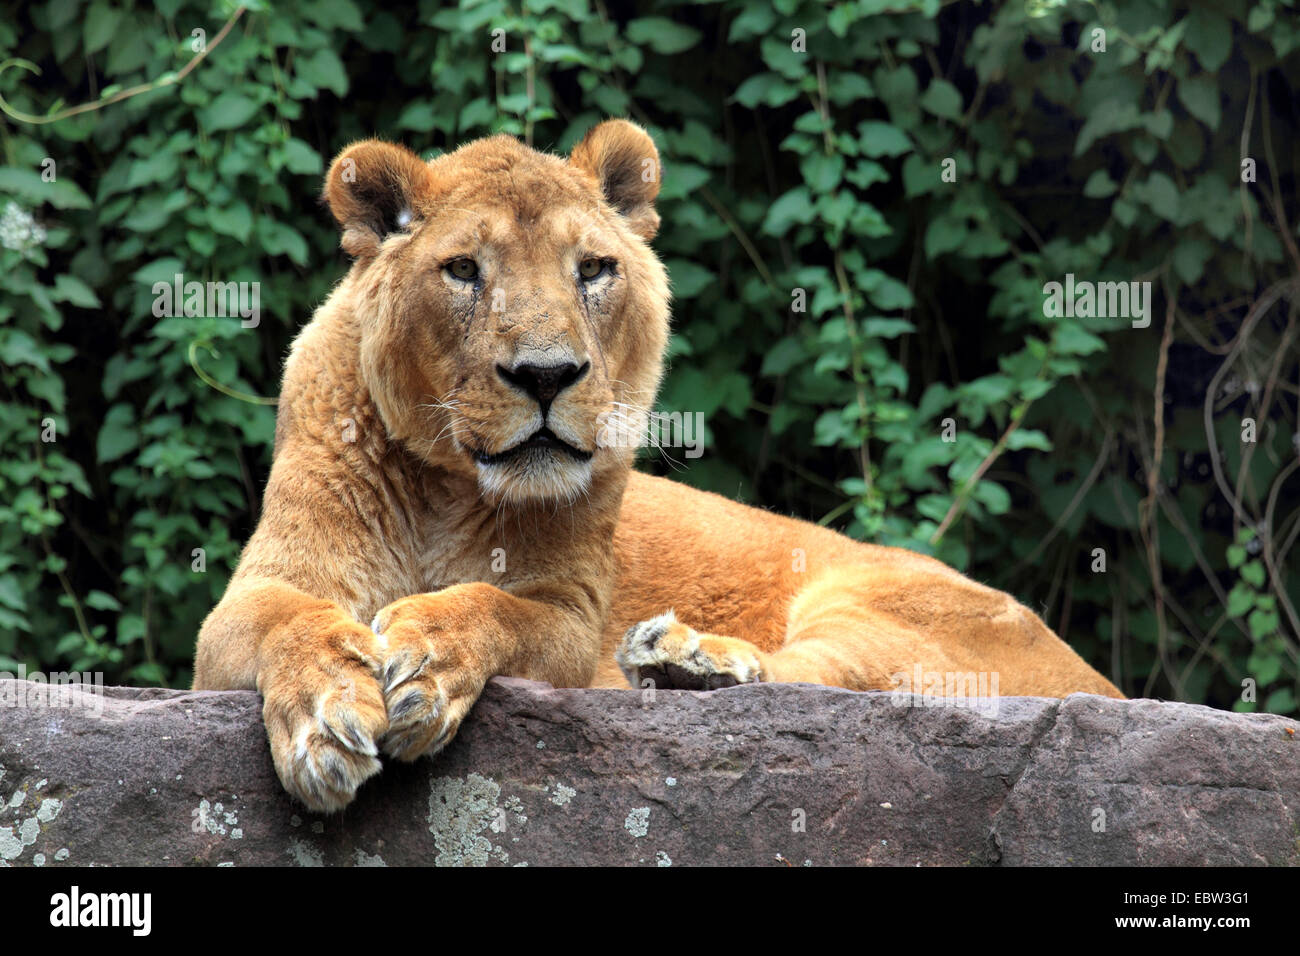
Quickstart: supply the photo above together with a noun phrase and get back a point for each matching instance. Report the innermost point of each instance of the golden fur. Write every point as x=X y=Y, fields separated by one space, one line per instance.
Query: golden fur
x=408 y=550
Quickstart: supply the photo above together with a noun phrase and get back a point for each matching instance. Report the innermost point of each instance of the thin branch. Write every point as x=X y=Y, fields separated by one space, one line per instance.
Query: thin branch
x=167 y=79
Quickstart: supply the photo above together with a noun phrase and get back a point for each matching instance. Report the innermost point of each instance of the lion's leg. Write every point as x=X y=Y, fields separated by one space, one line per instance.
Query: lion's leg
x=872 y=629
x=318 y=671
x=838 y=653
x=670 y=654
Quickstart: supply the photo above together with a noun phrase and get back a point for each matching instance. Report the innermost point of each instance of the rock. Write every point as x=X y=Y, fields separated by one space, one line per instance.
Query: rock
x=769 y=774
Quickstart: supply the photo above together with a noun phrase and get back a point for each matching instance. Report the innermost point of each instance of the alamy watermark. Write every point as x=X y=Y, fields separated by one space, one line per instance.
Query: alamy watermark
x=195 y=299
x=1100 y=300
x=972 y=690
x=56 y=689
x=624 y=427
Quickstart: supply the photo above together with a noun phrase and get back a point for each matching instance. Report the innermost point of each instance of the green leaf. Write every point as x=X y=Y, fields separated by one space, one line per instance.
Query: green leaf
x=11 y=593
x=100 y=601
x=324 y=70
x=117 y=435
x=1262 y=623
x=1099 y=185
x=891 y=294
x=331 y=14
x=1190 y=256
x=688 y=279
x=783 y=356
x=795 y=206
x=230 y=110
x=1209 y=36
x=1281 y=701
x=942 y=99
x=882 y=139
x=1200 y=94
x=19 y=348
x=880 y=327
x=766 y=89
x=302 y=159
x=1241 y=600
x=99 y=26
x=662 y=35
x=1160 y=193
x=821 y=172
x=1106 y=119
x=72 y=290
x=418 y=116
x=27 y=185
x=847 y=87
x=1264 y=667
x=1071 y=338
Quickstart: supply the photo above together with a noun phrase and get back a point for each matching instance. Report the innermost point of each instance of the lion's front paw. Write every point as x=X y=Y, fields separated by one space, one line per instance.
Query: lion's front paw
x=671 y=655
x=323 y=717
x=431 y=677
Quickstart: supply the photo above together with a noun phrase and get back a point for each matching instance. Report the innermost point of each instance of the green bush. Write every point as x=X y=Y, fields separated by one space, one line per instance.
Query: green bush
x=862 y=205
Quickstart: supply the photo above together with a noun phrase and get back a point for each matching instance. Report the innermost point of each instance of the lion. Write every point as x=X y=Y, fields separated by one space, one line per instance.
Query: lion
x=448 y=502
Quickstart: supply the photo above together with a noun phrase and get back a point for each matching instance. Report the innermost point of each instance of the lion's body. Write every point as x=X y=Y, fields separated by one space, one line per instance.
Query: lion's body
x=846 y=613
x=446 y=503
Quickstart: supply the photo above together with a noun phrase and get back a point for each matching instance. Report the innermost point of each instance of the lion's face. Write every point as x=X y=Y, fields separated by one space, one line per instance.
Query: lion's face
x=512 y=313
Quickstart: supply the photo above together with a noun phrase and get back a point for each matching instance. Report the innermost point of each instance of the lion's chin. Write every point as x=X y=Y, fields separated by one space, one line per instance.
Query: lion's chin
x=538 y=476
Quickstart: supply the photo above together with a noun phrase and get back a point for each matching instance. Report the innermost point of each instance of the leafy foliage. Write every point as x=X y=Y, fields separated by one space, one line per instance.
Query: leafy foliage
x=863 y=203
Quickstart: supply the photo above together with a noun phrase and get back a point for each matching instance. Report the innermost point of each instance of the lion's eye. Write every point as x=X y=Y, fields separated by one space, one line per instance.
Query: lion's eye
x=589 y=269
x=463 y=269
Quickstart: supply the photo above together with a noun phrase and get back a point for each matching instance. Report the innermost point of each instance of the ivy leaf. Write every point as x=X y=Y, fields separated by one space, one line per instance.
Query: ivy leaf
x=1263 y=666
x=1200 y=94
x=230 y=110
x=846 y=87
x=1106 y=119
x=882 y=139
x=942 y=99
x=1190 y=256
x=324 y=70
x=28 y=186
x=1281 y=701
x=1209 y=36
x=235 y=221
x=795 y=206
x=302 y=159
x=1160 y=193
x=891 y=294
x=821 y=172
x=767 y=89
x=72 y=290
x=884 y=328
x=688 y=278
x=100 y=601
x=783 y=356
x=1099 y=185
x=1072 y=338
x=99 y=27
x=662 y=35
x=1252 y=572
x=117 y=435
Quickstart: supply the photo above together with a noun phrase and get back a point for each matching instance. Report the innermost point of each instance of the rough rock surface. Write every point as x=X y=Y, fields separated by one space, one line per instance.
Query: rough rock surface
x=766 y=775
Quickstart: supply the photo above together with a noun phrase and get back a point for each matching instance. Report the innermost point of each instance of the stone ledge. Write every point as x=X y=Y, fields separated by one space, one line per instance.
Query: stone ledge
x=542 y=776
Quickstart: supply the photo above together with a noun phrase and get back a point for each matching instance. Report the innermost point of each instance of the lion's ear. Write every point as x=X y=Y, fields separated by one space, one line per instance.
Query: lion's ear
x=623 y=158
x=372 y=189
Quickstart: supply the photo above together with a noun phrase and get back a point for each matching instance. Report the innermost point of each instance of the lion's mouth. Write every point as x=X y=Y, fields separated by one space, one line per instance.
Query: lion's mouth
x=541 y=440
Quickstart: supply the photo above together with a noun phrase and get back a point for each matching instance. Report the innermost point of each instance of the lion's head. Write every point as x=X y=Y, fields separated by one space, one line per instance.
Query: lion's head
x=509 y=304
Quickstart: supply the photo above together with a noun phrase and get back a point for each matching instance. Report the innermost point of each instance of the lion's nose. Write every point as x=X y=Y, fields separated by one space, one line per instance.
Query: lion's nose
x=543 y=382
